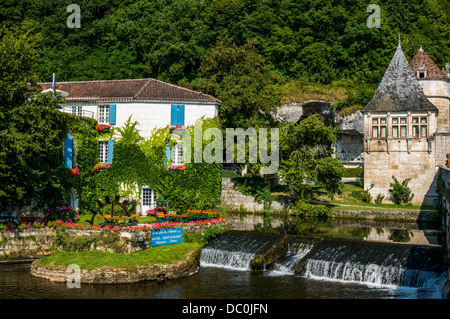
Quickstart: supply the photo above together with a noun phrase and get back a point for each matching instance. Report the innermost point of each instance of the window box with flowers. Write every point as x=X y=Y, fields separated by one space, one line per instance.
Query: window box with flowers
x=177 y=168
x=74 y=171
x=102 y=127
x=101 y=166
x=177 y=127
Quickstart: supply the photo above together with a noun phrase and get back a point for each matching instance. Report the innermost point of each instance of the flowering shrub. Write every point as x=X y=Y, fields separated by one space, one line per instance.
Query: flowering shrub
x=63 y=213
x=151 y=211
x=74 y=171
x=102 y=127
x=101 y=166
x=59 y=224
x=63 y=225
x=7 y=226
x=177 y=168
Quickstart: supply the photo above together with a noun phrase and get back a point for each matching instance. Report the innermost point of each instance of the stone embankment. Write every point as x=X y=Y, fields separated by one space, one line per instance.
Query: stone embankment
x=158 y=273
x=230 y=196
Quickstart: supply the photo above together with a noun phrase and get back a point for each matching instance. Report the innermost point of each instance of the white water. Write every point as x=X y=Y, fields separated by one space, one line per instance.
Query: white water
x=372 y=274
x=295 y=253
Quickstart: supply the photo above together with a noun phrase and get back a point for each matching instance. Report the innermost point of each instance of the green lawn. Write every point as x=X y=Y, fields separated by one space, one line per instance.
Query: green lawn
x=346 y=201
x=160 y=255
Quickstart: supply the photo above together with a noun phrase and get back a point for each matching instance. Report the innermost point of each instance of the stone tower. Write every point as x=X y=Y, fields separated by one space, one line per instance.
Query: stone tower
x=400 y=127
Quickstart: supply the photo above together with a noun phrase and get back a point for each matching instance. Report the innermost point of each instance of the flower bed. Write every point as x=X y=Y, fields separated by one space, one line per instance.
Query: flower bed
x=61 y=225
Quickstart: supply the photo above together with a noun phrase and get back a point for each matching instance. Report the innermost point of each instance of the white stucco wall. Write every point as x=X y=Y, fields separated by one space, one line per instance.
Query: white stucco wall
x=151 y=115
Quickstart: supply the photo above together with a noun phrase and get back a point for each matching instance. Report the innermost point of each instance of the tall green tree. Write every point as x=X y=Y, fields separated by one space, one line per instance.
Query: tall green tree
x=306 y=157
x=32 y=130
x=239 y=77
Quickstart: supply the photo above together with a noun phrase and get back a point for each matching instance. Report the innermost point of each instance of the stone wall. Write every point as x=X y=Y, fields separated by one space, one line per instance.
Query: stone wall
x=444 y=197
x=24 y=244
x=230 y=196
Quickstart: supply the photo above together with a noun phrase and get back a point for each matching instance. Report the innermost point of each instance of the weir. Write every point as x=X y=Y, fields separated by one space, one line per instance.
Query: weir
x=345 y=260
x=236 y=250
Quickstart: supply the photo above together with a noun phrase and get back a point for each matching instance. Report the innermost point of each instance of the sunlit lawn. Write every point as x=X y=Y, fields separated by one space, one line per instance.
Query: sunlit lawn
x=346 y=201
x=161 y=255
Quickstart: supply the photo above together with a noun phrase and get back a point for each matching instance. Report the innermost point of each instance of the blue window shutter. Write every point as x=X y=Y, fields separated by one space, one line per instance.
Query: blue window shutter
x=181 y=115
x=68 y=151
x=174 y=115
x=110 y=151
x=168 y=158
x=112 y=114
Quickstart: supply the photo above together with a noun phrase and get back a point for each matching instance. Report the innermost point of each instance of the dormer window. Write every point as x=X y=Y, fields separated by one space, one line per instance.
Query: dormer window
x=421 y=74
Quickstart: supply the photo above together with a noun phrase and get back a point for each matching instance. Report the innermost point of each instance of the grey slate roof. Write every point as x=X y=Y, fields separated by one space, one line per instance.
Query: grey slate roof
x=399 y=89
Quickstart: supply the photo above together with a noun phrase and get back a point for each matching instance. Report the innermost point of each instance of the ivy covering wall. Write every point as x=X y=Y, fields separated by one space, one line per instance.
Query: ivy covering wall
x=141 y=162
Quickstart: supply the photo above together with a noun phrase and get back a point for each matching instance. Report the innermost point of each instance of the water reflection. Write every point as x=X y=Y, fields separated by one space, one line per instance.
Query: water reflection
x=370 y=230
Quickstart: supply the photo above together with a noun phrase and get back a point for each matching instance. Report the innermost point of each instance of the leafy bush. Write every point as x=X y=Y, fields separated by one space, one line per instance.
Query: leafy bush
x=379 y=198
x=255 y=186
x=353 y=172
x=63 y=213
x=362 y=195
x=303 y=209
x=211 y=232
x=400 y=192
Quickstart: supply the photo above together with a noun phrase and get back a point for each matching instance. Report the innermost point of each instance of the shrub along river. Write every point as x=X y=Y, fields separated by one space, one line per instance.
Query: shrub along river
x=331 y=259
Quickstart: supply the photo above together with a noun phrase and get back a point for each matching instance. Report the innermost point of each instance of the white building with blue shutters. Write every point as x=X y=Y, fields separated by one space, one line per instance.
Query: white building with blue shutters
x=152 y=103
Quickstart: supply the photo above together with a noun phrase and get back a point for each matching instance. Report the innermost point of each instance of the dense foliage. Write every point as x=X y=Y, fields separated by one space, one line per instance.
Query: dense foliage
x=32 y=130
x=306 y=158
x=308 y=40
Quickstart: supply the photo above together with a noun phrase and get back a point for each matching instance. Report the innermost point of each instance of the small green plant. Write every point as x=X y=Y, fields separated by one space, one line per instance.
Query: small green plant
x=379 y=198
x=210 y=233
x=363 y=195
x=400 y=192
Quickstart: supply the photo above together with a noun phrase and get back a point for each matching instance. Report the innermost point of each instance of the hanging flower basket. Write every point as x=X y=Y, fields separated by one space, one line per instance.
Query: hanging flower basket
x=74 y=171
x=177 y=168
x=101 y=166
x=102 y=127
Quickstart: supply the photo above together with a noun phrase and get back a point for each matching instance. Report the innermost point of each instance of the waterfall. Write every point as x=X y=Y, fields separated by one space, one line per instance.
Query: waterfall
x=371 y=263
x=235 y=250
x=295 y=252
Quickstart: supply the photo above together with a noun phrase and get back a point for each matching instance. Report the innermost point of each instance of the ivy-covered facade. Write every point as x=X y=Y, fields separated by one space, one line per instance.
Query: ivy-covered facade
x=136 y=159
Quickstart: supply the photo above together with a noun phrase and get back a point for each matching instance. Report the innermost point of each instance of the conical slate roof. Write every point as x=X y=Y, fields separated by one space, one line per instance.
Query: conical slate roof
x=399 y=89
x=422 y=60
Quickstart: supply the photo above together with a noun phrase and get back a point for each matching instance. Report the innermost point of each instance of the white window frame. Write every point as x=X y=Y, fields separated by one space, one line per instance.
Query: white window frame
x=103 y=114
x=77 y=110
x=177 y=154
x=103 y=151
x=148 y=197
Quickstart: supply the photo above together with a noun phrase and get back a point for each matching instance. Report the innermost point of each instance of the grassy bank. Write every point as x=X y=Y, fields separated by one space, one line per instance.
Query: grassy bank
x=159 y=255
x=345 y=200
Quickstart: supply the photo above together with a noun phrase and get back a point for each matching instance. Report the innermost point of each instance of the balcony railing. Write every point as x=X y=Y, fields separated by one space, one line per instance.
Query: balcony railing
x=77 y=110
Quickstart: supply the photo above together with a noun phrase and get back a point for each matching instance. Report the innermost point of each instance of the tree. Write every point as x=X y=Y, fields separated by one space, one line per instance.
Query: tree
x=32 y=130
x=238 y=76
x=306 y=160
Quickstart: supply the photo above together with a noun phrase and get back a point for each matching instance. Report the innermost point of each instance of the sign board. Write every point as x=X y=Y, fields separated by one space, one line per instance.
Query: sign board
x=166 y=236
